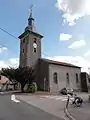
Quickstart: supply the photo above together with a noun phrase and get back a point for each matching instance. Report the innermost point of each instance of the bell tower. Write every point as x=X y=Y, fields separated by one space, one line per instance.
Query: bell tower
x=30 y=44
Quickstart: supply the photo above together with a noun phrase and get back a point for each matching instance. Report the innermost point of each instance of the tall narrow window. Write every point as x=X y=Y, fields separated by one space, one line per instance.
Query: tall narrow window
x=24 y=40
x=89 y=80
x=34 y=50
x=0 y=77
x=67 y=78
x=34 y=40
x=55 y=78
x=22 y=50
x=76 y=78
x=34 y=46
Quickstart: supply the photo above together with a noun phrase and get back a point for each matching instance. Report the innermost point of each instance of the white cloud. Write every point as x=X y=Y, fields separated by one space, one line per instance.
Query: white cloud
x=77 y=60
x=3 y=49
x=77 y=44
x=13 y=62
x=3 y=64
x=87 y=54
x=73 y=9
x=64 y=36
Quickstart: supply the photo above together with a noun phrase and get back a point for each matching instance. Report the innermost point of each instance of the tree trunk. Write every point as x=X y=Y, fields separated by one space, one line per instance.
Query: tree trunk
x=22 y=88
x=6 y=86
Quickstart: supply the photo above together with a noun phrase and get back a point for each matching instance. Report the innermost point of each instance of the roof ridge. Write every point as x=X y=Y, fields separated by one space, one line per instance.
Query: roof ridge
x=59 y=63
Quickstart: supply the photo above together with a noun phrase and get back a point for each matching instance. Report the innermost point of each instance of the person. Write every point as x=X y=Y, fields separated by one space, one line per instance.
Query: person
x=77 y=100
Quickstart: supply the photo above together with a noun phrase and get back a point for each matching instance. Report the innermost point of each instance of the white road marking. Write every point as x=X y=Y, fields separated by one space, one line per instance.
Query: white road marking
x=1 y=92
x=13 y=98
x=17 y=101
x=62 y=98
x=58 y=98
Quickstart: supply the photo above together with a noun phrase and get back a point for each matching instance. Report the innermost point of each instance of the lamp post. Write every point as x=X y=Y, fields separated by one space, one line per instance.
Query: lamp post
x=44 y=83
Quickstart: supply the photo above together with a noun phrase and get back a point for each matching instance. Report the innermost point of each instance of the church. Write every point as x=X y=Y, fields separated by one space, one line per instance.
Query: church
x=51 y=75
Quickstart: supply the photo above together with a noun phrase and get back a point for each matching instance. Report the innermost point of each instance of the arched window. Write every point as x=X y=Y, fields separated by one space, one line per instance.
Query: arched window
x=67 y=78
x=22 y=50
x=35 y=40
x=35 y=50
x=89 y=80
x=77 y=78
x=34 y=46
x=24 y=40
x=55 y=78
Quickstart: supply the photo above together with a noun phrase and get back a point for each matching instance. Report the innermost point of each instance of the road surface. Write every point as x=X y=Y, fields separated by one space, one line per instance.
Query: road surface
x=82 y=113
x=10 y=110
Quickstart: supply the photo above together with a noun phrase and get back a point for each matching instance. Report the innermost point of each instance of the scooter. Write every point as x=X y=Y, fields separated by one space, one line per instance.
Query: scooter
x=77 y=101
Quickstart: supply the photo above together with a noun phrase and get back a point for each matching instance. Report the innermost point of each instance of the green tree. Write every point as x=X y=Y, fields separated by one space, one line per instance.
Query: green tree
x=23 y=75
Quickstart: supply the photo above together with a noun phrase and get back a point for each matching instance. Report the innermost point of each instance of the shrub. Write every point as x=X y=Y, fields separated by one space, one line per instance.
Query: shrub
x=32 y=88
x=35 y=85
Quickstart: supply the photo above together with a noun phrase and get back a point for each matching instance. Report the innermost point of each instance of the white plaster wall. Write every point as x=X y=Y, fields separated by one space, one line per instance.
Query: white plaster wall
x=3 y=79
x=61 y=71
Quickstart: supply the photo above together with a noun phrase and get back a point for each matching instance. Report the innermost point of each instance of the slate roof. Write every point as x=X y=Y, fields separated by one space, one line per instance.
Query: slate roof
x=29 y=31
x=59 y=63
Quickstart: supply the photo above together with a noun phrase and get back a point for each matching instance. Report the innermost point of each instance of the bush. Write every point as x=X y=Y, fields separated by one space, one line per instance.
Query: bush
x=32 y=88
x=35 y=85
x=89 y=98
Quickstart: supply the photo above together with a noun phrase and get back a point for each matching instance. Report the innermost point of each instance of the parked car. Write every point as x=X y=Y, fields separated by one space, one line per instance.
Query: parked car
x=63 y=91
x=66 y=91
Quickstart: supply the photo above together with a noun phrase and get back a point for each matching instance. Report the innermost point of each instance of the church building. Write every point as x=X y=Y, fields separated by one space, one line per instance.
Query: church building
x=51 y=75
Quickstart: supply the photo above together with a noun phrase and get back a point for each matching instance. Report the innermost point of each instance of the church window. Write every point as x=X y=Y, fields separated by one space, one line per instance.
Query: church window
x=35 y=46
x=67 y=77
x=23 y=50
x=76 y=78
x=55 y=78
x=34 y=40
x=34 y=50
x=89 y=80
x=24 y=40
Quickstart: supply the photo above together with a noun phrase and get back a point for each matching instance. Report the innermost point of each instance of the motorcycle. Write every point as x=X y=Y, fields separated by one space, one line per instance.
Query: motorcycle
x=76 y=100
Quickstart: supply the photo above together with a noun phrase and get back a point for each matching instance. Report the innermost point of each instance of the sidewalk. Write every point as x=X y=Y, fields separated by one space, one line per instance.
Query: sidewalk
x=9 y=92
x=52 y=106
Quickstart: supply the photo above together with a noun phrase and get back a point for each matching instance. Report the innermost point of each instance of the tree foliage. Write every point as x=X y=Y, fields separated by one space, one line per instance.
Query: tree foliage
x=22 y=75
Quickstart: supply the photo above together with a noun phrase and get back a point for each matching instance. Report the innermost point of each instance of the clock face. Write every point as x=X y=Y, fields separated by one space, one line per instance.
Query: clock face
x=34 y=45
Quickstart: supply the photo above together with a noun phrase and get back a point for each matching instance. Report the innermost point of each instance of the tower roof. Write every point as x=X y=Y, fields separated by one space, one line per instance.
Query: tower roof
x=29 y=31
x=29 y=28
x=30 y=21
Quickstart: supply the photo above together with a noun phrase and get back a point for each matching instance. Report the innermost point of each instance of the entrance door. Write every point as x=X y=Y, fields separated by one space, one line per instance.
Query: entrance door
x=54 y=85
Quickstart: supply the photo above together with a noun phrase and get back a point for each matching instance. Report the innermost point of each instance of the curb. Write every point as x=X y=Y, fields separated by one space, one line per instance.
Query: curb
x=7 y=92
x=68 y=114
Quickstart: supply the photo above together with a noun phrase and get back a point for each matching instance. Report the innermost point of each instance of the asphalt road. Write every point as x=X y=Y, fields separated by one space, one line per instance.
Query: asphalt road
x=82 y=113
x=10 y=110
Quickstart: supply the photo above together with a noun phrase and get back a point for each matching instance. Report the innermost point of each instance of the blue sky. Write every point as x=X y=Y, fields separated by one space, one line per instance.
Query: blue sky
x=65 y=29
